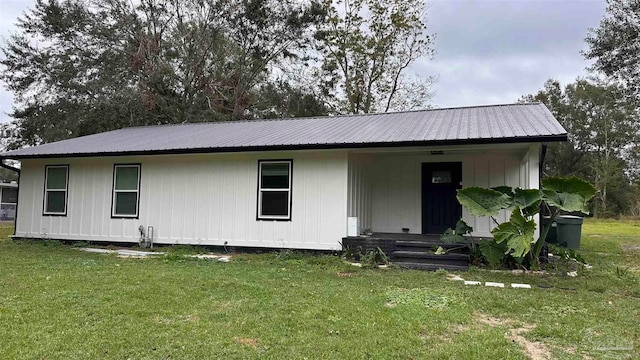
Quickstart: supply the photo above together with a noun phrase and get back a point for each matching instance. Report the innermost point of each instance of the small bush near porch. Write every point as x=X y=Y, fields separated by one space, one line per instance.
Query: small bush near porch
x=57 y=302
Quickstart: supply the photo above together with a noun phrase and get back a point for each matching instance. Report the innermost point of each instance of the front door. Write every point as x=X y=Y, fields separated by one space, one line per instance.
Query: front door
x=440 y=208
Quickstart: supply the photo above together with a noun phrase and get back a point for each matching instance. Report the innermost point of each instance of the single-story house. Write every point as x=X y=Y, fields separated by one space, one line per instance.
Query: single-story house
x=8 y=200
x=286 y=183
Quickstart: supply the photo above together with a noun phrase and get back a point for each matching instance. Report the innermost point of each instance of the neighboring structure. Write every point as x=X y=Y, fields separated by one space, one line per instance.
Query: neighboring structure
x=8 y=201
x=288 y=183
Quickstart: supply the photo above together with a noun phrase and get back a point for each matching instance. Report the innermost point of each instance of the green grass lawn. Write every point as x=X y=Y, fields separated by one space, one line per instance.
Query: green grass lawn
x=59 y=303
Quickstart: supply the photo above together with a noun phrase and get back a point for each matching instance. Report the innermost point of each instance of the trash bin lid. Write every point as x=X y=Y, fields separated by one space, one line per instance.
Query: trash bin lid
x=569 y=219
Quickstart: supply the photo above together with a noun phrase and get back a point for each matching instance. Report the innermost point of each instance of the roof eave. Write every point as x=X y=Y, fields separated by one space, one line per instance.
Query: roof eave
x=430 y=143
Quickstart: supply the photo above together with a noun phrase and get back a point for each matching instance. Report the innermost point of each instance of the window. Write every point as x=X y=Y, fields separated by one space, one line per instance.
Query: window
x=274 y=190
x=9 y=195
x=126 y=190
x=441 y=177
x=56 y=184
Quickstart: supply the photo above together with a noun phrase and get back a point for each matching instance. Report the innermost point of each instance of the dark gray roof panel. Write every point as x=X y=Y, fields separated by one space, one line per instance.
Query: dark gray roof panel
x=479 y=124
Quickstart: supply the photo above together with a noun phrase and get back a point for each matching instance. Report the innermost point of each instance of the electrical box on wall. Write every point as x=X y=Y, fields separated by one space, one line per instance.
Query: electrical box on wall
x=352 y=226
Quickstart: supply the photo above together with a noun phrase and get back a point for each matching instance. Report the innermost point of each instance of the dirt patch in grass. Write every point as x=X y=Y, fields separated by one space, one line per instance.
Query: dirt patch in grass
x=459 y=329
x=534 y=350
x=631 y=247
x=251 y=342
x=492 y=321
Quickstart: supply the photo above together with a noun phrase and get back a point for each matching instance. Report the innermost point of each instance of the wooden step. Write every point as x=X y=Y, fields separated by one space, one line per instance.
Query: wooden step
x=431 y=267
x=429 y=258
x=413 y=243
x=423 y=246
x=426 y=255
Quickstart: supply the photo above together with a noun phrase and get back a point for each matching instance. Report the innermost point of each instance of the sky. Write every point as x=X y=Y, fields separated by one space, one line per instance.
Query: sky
x=487 y=51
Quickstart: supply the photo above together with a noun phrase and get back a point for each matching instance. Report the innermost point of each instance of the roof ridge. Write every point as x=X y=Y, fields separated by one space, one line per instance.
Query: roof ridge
x=333 y=116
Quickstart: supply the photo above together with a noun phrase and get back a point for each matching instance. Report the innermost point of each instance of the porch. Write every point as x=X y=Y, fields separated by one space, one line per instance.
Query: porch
x=407 y=198
x=412 y=192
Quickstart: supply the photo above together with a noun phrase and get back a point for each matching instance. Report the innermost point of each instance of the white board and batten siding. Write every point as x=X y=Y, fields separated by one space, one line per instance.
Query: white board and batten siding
x=204 y=199
x=386 y=187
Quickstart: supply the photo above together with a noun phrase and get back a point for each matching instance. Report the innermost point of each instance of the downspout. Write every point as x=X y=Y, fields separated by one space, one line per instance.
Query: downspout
x=17 y=171
x=543 y=155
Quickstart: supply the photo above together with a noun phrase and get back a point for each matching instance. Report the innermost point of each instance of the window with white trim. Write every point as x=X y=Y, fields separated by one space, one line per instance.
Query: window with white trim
x=274 y=189
x=56 y=185
x=126 y=190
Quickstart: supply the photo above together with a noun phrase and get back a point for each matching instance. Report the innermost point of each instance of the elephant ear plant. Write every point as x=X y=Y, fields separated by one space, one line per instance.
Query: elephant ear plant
x=516 y=236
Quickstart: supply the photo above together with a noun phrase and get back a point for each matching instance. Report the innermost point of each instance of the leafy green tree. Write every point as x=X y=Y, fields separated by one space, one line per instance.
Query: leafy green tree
x=78 y=67
x=281 y=99
x=367 y=47
x=603 y=133
x=8 y=175
x=614 y=44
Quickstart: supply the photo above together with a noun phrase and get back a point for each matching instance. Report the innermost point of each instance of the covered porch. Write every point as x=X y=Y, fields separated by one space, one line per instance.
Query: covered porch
x=409 y=193
x=401 y=201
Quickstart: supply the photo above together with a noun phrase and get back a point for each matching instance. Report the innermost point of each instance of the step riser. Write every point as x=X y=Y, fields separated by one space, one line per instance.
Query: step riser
x=420 y=249
x=431 y=250
x=426 y=255
x=429 y=246
x=430 y=261
x=431 y=267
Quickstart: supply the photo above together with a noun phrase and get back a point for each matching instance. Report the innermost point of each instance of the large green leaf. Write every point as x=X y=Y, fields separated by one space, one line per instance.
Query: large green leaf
x=528 y=200
x=517 y=233
x=450 y=237
x=456 y=235
x=492 y=251
x=565 y=201
x=568 y=194
x=572 y=185
x=507 y=190
x=483 y=202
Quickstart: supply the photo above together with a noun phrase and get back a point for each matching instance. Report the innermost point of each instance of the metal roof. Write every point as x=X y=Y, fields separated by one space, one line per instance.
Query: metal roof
x=525 y=122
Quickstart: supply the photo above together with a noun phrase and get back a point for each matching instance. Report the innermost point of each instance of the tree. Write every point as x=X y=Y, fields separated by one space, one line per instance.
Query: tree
x=78 y=67
x=8 y=175
x=603 y=133
x=281 y=99
x=367 y=48
x=614 y=44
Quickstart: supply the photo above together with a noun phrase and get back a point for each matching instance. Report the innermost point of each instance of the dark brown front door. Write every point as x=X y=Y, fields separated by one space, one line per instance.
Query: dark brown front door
x=440 y=208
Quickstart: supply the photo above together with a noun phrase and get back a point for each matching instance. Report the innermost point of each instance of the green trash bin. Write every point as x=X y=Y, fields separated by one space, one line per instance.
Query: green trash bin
x=552 y=235
x=569 y=231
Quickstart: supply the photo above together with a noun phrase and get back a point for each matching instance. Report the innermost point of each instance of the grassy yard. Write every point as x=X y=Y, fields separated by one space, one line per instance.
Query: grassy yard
x=59 y=303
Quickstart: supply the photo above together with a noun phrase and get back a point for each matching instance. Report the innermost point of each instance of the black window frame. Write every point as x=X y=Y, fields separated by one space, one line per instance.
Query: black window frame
x=114 y=191
x=46 y=190
x=259 y=216
x=7 y=189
